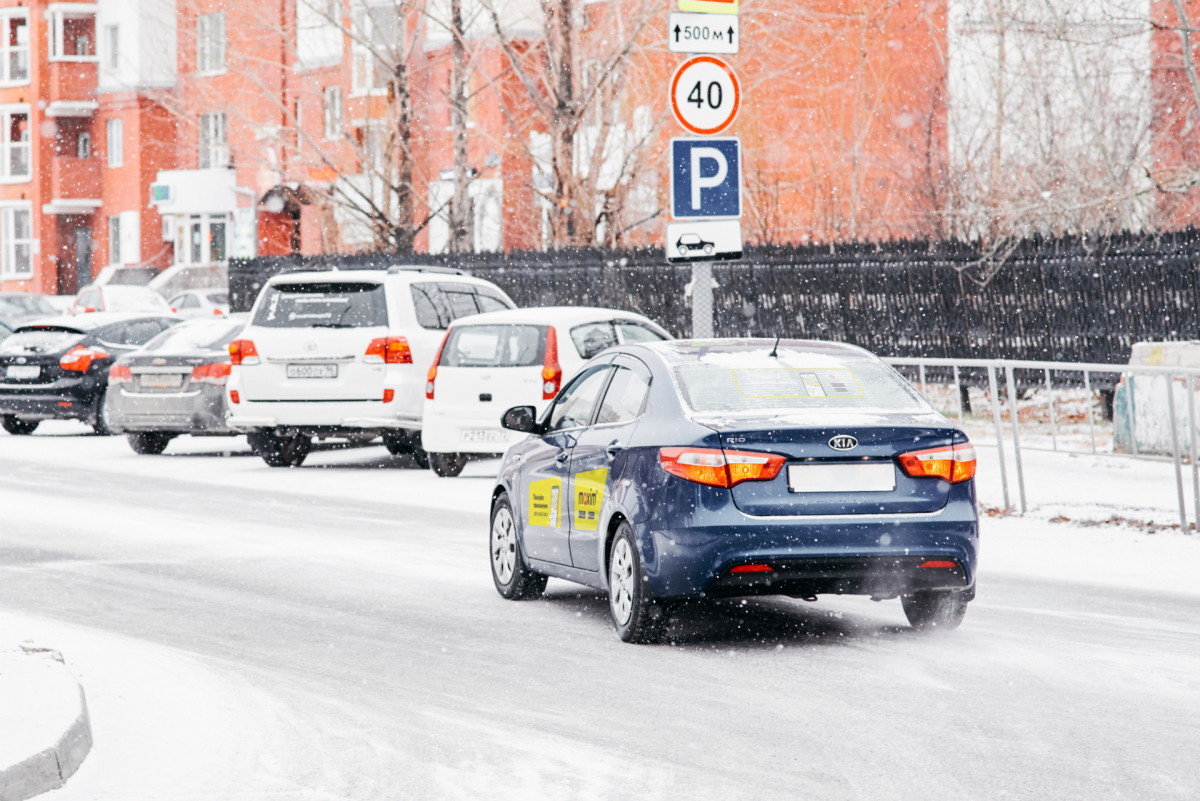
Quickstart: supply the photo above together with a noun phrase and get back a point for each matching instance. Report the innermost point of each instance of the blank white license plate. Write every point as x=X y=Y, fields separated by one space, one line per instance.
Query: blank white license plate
x=161 y=380
x=23 y=371
x=312 y=371
x=865 y=477
x=483 y=435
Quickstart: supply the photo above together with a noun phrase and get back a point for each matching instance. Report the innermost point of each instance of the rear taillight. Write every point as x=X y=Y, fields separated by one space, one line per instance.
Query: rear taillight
x=233 y=396
x=718 y=468
x=432 y=375
x=940 y=563
x=752 y=569
x=79 y=358
x=389 y=395
x=119 y=374
x=242 y=351
x=217 y=311
x=955 y=464
x=388 y=350
x=216 y=374
x=551 y=371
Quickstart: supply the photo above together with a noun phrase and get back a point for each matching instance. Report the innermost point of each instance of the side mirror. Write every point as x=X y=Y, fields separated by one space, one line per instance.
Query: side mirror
x=520 y=418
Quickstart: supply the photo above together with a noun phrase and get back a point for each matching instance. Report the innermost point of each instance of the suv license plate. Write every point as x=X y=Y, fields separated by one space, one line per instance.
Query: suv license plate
x=483 y=435
x=23 y=371
x=312 y=371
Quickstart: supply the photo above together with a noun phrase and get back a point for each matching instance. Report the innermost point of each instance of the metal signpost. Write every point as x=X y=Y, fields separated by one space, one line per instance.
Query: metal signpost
x=706 y=171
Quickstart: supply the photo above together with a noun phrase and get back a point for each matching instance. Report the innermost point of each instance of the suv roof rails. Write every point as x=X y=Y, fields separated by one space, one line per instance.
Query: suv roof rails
x=415 y=268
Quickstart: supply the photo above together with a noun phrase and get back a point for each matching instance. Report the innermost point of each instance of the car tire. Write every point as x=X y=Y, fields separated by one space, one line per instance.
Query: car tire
x=18 y=427
x=637 y=617
x=101 y=424
x=942 y=610
x=513 y=579
x=447 y=465
x=149 y=442
x=282 y=451
x=407 y=443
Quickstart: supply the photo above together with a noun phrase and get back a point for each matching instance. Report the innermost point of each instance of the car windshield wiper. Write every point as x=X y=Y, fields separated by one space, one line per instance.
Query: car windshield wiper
x=331 y=325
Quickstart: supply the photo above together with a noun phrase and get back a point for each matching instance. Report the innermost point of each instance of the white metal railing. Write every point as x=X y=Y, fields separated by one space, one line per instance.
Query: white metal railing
x=1087 y=368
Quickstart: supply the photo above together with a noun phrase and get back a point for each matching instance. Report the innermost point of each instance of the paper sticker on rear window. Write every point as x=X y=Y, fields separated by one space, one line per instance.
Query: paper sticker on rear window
x=787 y=382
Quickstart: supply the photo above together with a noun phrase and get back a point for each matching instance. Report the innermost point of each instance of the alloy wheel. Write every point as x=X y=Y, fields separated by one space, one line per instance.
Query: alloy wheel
x=504 y=546
x=620 y=582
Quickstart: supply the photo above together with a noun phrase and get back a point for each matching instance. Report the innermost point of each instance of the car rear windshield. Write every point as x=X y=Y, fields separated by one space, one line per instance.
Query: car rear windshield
x=729 y=378
x=325 y=305
x=200 y=335
x=41 y=341
x=495 y=346
x=439 y=303
x=133 y=298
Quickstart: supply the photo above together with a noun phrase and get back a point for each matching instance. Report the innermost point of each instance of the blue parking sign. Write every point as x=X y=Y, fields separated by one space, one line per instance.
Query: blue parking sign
x=706 y=178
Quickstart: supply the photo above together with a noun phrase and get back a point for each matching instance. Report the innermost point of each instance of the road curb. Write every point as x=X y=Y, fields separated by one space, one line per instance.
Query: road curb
x=49 y=769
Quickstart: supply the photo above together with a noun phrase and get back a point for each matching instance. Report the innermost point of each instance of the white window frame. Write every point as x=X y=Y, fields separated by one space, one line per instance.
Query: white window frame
x=7 y=51
x=7 y=112
x=55 y=31
x=114 y=239
x=114 y=140
x=9 y=244
x=83 y=145
x=362 y=60
x=213 y=141
x=210 y=44
x=335 y=124
x=112 y=48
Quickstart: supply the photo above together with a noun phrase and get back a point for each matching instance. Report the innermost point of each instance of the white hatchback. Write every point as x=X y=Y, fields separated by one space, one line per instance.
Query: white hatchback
x=490 y=363
x=341 y=354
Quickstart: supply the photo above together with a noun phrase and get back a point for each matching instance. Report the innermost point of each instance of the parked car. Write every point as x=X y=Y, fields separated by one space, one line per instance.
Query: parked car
x=19 y=307
x=119 y=298
x=174 y=384
x=342 y=354
x=57 y=368
x=1142 y=404
x=511 y=358
x=5 y=330
x=200 y=303
x=716 y=469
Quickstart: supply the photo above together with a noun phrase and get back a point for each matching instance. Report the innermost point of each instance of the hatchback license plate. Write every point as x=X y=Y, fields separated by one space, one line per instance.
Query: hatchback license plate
x=161 y=380
x=862 y=477
x=23 y=371
x=483 y=435
x=312 y=371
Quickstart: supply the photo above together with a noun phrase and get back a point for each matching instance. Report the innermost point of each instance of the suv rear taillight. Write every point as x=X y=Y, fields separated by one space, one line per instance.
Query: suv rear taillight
x=955 y=464
x=119 y=374
x=432 y=376
x=717 y=468
x=551 y=371
x=215 y=374
x=79 y=358
x=388 y=350
x=242 y=351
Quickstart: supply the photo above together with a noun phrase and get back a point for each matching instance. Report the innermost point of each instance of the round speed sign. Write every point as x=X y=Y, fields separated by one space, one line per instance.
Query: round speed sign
x=705 y=95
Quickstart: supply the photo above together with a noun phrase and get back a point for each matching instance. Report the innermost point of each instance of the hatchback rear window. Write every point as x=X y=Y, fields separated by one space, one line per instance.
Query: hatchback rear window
x=199 y=335
x=495 y=346
x=39 y=342
x=745 y=377
x=324 y=305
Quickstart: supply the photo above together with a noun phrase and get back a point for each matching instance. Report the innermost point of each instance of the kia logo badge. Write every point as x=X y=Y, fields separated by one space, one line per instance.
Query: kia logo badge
x=843 y=442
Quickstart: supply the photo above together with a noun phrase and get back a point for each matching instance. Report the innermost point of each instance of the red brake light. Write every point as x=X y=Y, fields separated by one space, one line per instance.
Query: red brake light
x=79 y=358
x=217 y=374
x=551 y=371
x=119 y=374
x=752 y=569
x=242 y=351
x=939 y=563
x=717 y=468
x=955 y=464
x=390 y=350
x=432 y=375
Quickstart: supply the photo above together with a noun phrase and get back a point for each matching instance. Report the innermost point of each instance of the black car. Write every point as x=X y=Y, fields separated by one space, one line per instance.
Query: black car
x=57 y=368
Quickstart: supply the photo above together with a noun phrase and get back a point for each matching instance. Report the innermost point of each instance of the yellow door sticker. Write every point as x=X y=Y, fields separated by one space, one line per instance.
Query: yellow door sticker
x=589 y=497
x=545 y=502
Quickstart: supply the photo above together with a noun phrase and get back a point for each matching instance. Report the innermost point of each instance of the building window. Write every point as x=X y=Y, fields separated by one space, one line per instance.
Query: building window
x=115 y=134
x=17 y=244
x=14 y=143
x=374 y=37
x=72 y=32
x=318 y=33
x=14 y=49
x=114 y=239
x=214 y=150
x=112 y=59
x=83 y=146
x=333 y=112
x=210 y=42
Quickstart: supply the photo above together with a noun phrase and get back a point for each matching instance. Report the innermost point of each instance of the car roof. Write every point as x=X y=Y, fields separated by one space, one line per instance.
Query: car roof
x=681 y=351
x=124 y=288
x=551 y=314
x=374 y=277
x=83 y=323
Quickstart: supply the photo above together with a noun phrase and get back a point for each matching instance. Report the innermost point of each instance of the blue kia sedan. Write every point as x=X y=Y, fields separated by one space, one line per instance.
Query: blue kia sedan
x=690 y=469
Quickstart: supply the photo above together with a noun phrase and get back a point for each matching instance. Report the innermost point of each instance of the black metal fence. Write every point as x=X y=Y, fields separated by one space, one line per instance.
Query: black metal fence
x=1063 y=299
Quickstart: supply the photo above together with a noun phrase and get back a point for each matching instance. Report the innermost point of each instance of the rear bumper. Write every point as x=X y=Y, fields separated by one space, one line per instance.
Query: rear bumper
x=62 y=401
x=880 y=576
x=199 y=410
x=251 y=415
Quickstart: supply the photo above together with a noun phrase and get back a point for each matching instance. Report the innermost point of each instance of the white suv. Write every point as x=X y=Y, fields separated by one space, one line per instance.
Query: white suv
x=344 y=354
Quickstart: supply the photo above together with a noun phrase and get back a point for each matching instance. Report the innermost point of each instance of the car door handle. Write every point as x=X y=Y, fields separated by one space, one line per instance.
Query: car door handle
x=613 y=449
x=562 y=457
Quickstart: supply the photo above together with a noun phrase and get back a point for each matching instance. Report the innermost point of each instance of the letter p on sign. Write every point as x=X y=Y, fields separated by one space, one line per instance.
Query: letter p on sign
x=699 y=180
x=706 y=178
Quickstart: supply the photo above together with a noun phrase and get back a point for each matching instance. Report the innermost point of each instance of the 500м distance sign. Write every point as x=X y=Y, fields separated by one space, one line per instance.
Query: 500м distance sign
x=703 y=33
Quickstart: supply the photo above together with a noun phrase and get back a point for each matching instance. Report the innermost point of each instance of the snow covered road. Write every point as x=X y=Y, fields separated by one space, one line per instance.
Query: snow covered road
x=332 y=632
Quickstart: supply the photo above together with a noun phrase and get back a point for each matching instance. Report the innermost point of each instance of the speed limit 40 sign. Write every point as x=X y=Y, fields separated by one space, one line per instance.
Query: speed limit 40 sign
x=705 y=95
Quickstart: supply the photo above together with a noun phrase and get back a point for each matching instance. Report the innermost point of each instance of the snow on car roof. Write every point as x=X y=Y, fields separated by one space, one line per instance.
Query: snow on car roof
x=83 y=323
x=550 y=314
x=372 y=277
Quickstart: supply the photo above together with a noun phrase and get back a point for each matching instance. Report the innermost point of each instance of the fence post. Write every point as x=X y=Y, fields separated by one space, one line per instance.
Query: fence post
x=1053 y=424
x=702 y=300
x=1191 y=396
x=924 y=391
x=958 y=395
x=1175 y=452
x=999 y=433
x=1012 y=412
x=1087 y=384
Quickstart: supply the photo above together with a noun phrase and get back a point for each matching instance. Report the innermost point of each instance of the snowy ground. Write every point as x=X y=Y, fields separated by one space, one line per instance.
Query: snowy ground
x=332 y=632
